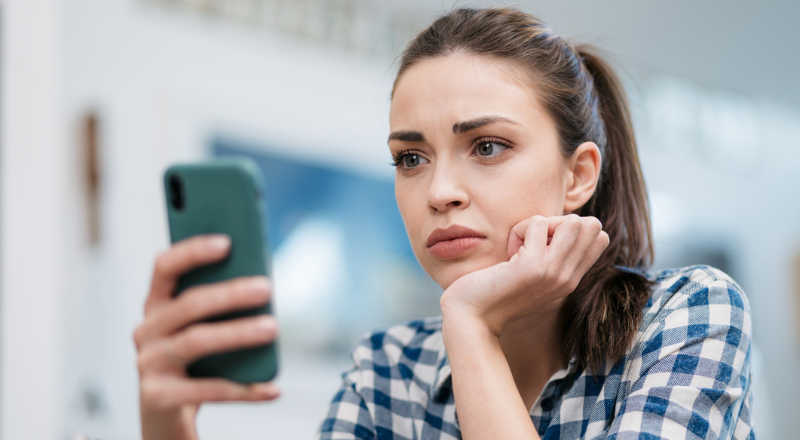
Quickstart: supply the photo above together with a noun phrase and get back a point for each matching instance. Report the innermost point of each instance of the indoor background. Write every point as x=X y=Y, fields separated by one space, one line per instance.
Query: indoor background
x=100 y=96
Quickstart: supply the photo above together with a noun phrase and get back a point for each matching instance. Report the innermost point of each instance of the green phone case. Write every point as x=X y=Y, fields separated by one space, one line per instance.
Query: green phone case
x=224 y=196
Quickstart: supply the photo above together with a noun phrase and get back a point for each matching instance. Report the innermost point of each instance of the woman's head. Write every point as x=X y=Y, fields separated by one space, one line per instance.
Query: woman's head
x=474 y=148
x=494 y=119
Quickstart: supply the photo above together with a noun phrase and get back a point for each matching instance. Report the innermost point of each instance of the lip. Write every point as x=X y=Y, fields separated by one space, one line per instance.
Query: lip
x=453 y=241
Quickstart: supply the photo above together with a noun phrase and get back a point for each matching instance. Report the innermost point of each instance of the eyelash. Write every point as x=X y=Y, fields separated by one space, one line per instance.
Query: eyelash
x=493 y=140
x=397 y=157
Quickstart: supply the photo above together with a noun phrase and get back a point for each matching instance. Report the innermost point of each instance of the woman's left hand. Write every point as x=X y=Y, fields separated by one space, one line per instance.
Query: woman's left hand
x=548 y=256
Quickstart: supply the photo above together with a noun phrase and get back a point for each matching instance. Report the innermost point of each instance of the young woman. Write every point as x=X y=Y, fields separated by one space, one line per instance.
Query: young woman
x=520 y=187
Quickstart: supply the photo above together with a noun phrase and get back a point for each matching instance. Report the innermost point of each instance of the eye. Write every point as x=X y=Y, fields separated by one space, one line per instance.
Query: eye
x=411 y=160
x=408 y=160
x=490 y=147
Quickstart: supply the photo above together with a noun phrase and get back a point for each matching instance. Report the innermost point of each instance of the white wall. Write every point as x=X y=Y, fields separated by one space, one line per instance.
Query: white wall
x=163 y=84
x=35 y=185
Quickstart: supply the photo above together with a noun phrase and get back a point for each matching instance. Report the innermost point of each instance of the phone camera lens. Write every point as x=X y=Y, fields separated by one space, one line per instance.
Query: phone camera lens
x=176 y=196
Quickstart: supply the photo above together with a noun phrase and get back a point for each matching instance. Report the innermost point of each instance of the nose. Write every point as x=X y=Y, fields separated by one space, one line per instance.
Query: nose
x=447 y=189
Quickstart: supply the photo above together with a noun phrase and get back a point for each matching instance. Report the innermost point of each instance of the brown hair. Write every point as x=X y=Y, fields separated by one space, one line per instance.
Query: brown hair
x=585 y=99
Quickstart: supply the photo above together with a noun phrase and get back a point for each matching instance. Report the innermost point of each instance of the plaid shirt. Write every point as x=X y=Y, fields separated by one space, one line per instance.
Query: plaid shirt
x=685 y=376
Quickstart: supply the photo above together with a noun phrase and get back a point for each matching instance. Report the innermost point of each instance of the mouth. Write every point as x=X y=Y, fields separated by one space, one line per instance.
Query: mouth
x=453 y=241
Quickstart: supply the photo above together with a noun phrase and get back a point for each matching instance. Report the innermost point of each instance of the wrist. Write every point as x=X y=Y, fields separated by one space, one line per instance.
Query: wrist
x=462 y=317
x=178 y=423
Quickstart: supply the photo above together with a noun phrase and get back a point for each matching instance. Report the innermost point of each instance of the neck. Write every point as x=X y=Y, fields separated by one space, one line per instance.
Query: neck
x=532 y=346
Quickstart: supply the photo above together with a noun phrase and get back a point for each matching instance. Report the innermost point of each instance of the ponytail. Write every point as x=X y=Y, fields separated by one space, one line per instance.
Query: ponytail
x=604 y=313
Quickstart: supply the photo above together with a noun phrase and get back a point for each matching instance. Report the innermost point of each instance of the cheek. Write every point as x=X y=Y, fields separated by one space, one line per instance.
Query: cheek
x=519 y=194
x=411 y=208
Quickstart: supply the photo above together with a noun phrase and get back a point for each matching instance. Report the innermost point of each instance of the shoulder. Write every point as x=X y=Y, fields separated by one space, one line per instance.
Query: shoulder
x=703 y=292
x=410 y=351
x=696 y=311
x=404 y=339
x=689 y=366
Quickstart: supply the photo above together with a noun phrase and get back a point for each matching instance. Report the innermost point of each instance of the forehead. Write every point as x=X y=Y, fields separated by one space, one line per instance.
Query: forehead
x=461 y=87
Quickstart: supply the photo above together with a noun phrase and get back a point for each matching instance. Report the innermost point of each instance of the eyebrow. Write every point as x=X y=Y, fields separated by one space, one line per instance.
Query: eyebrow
x=407 y=136
x=463 y=127
x=458 y=128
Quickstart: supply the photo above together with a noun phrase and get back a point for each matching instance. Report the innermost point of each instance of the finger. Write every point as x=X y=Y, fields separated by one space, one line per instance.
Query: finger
x=530 y=234
x=516 y=238
x=517 y=235
x=590 y=230
x=200 y=340
x=554 y=221
x=164 y=392
x=182 y=257
x=205 y=301
x=595 y=250
x=565 y=235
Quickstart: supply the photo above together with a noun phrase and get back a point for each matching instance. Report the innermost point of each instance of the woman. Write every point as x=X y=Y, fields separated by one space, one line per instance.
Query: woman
x=519 y=184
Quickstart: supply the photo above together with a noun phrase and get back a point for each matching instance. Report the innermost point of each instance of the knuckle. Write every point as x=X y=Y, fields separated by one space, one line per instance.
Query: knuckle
x=139 y=336
x=141 y=365
x=233 y=393
x=144 y=361
x=193 y=304
x=564 y=279
x=154 y=394
x=149 y=390
x=251 y=290
x=267 y=328
x=192 y=340
x=573 y=283
x=536 y=271
x=205 y=300
x=537 y=220
x=162 y=263
x=194 y=252
x=148 y=304
x=548 y=274
x=211 y=298
x=594 y=223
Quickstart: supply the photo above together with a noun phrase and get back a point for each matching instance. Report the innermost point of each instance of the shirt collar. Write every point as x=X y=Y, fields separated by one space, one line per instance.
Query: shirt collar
x=441 y=377
x=441 y=381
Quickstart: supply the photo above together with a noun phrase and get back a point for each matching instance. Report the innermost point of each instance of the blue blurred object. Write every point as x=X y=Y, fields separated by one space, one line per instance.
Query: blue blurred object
x=342 y=257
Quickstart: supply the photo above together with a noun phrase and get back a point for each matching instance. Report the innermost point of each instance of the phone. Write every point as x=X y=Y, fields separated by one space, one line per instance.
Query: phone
x=224 y=196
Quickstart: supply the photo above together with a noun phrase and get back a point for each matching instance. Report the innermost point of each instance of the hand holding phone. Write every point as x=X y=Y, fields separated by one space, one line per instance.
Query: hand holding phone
x=224 y=196
x=196 y=311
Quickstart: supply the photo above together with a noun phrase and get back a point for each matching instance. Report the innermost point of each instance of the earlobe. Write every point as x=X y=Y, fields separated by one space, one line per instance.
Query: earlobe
x=583 y=174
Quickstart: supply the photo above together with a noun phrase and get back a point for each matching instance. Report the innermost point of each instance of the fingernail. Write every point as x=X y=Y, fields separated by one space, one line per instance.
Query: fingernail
x=268 y=390
x=219 y=242
x=259 y=285
x=266 y=323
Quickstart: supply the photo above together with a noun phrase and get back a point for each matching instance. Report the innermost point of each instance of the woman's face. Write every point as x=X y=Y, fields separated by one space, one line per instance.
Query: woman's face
x=475 y=149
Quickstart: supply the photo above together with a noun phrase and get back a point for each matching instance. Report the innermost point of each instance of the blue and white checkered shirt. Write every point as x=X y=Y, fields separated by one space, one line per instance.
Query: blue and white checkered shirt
x=685 y=376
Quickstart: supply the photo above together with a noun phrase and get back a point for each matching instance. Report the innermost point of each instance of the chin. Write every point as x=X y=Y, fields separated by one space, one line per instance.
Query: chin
x=446 y=273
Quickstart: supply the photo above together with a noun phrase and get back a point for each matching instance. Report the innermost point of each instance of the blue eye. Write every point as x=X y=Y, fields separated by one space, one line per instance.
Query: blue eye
x=411 y=160
x=489 y=148
x=405 y=159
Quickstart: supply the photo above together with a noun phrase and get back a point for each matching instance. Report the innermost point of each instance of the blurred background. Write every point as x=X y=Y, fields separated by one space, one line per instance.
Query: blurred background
x=98 y=97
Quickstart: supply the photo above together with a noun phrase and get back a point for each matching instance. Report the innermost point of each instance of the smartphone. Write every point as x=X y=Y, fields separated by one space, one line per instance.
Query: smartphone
x=224 y=196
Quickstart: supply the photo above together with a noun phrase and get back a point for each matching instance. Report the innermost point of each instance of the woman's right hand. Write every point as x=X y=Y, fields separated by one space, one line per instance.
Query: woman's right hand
x=171 y=337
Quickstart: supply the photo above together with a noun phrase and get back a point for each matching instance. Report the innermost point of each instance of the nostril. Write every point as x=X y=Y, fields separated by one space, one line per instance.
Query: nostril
x=456 y=203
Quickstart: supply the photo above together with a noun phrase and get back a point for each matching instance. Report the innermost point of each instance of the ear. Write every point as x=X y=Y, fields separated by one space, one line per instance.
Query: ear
x=583 y=171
